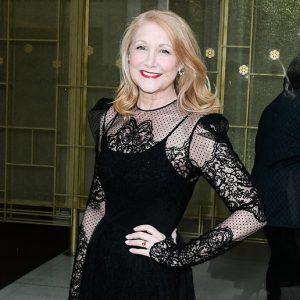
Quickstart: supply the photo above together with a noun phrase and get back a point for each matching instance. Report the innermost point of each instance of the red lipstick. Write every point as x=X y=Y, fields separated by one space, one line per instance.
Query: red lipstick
x=150 y=74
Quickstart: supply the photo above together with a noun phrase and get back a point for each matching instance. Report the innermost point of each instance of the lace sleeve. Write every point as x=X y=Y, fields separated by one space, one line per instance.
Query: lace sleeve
x=95 y=209
x=212 y=153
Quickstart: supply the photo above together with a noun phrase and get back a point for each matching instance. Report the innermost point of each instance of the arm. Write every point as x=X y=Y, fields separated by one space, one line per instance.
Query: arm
x=212 y=153
x=94 y=116
x=95 y=208
x=95 y=211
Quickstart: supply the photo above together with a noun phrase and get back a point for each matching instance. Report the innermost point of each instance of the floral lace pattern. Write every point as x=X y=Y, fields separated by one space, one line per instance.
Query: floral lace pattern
x=96 y=194
x=215 y=126
x=78 y=266
x=232 y=181
x=132 y=137
x=95 y=211
x=213 y=155
x=195 y=145
x=209 y=245
x=179 y=158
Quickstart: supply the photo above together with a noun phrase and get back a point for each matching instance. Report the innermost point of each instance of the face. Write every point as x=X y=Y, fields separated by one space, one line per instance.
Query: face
x=153 y=64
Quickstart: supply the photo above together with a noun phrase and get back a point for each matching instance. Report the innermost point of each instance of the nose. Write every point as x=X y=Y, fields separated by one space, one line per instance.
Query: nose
x=150 y=60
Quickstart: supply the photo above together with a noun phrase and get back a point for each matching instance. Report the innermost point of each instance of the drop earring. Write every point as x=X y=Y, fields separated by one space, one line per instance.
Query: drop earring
x=181 y=72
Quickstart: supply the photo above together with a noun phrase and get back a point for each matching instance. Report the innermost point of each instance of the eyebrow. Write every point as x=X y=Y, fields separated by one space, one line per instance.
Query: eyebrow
x=138 y=41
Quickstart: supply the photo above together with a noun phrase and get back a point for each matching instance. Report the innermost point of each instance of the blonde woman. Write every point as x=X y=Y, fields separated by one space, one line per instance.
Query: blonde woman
x=160 y=135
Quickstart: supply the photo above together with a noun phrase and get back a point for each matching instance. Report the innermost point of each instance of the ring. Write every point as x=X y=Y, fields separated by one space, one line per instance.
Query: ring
x=144 y=244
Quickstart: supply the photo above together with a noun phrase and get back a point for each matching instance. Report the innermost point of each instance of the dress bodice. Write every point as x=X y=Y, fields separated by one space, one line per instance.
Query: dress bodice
x=140 y=182
x=145 y=171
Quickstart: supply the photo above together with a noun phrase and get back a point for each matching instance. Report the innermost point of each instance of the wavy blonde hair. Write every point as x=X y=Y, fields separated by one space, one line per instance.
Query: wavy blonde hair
x=192 y=88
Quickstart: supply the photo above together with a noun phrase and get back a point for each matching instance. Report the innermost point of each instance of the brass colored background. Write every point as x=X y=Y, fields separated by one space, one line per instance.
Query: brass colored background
x=58 y=57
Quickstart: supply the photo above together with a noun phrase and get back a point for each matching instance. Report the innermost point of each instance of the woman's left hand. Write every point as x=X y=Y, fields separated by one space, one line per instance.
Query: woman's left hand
x=144 y=237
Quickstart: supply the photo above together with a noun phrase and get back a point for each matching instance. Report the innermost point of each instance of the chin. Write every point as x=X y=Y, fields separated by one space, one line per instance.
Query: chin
x=149 y=90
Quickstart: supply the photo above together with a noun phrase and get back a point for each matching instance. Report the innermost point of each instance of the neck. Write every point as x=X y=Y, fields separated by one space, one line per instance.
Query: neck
x=153 y=101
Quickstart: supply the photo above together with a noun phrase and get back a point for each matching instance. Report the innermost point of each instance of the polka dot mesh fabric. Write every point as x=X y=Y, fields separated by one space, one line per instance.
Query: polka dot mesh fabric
x=95 y=211
x=195 y=146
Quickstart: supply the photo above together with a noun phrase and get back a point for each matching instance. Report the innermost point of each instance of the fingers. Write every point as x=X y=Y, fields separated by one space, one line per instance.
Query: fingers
x=139 y=243
x=174 y=235
x=144 y=237
x=146 y=228
x=141 y=236
x=150 y=229
x=139 y=251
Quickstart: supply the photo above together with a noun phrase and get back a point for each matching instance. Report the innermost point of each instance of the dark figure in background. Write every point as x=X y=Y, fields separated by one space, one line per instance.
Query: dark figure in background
x=160 y=135
x=276 y=172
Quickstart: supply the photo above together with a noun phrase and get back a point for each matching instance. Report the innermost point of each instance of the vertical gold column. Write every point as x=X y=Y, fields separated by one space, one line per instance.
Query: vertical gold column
x=223 y=36
x=6 y=109
x=76 y=110
x=249 y=81
x=222 y=56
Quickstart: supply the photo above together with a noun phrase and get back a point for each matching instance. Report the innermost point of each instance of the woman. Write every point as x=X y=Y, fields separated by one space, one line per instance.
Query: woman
x=161 y=134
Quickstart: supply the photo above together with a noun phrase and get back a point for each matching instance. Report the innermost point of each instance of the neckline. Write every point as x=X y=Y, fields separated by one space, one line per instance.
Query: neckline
x=158 y=108
x=163 y=141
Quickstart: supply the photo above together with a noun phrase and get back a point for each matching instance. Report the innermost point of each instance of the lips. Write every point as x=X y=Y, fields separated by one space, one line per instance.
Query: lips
x=151 y=75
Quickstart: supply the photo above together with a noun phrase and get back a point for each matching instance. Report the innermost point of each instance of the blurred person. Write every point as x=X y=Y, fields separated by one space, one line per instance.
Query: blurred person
x=276 y=173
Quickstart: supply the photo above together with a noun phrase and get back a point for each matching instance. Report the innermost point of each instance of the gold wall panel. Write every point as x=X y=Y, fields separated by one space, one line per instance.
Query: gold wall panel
x=56 y=63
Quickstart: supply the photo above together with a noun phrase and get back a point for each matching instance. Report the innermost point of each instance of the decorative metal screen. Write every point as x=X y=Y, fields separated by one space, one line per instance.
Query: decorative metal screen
x=58 y=57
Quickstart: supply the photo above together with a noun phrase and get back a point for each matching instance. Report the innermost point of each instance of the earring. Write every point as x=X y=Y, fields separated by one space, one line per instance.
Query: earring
x=181 y=72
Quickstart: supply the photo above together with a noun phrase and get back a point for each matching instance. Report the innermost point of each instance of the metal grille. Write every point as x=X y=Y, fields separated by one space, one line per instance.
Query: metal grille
x=58 y=57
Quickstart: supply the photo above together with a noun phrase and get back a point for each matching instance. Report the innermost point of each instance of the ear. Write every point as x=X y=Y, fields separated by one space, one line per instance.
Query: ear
x=181 y=70
x=180 y=67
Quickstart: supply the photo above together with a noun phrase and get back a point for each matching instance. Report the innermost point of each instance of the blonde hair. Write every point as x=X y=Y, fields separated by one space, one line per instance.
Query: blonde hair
x=192 y=88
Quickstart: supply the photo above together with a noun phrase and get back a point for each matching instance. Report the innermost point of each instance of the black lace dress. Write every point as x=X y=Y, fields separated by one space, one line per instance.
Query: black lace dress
x=145 y=172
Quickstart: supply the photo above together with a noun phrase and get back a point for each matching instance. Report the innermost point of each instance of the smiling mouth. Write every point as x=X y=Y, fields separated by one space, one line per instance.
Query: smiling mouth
x=150 y=74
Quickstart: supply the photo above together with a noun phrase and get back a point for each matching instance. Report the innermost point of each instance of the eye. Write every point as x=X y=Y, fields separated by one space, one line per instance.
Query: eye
x=165 y=51
x=141 y=47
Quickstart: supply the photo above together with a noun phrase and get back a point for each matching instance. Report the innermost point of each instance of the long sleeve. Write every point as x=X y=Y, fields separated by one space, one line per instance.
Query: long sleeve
x=211 y=152
x=94 y=116
x=95 y=211
x=95 y=208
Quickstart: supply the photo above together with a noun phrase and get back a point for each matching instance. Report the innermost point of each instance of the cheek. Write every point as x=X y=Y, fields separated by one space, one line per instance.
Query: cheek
x=135 y=60
x=170 y=66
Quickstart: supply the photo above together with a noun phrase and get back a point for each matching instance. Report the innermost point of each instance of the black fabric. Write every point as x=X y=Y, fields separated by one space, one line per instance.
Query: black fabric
x=145 y=172
x=276 y=170
x=94 y=115
x=284 y=264
x=110 y=270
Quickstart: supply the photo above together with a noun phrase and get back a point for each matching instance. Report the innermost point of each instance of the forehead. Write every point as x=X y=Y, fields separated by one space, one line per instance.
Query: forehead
x=151 y=32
